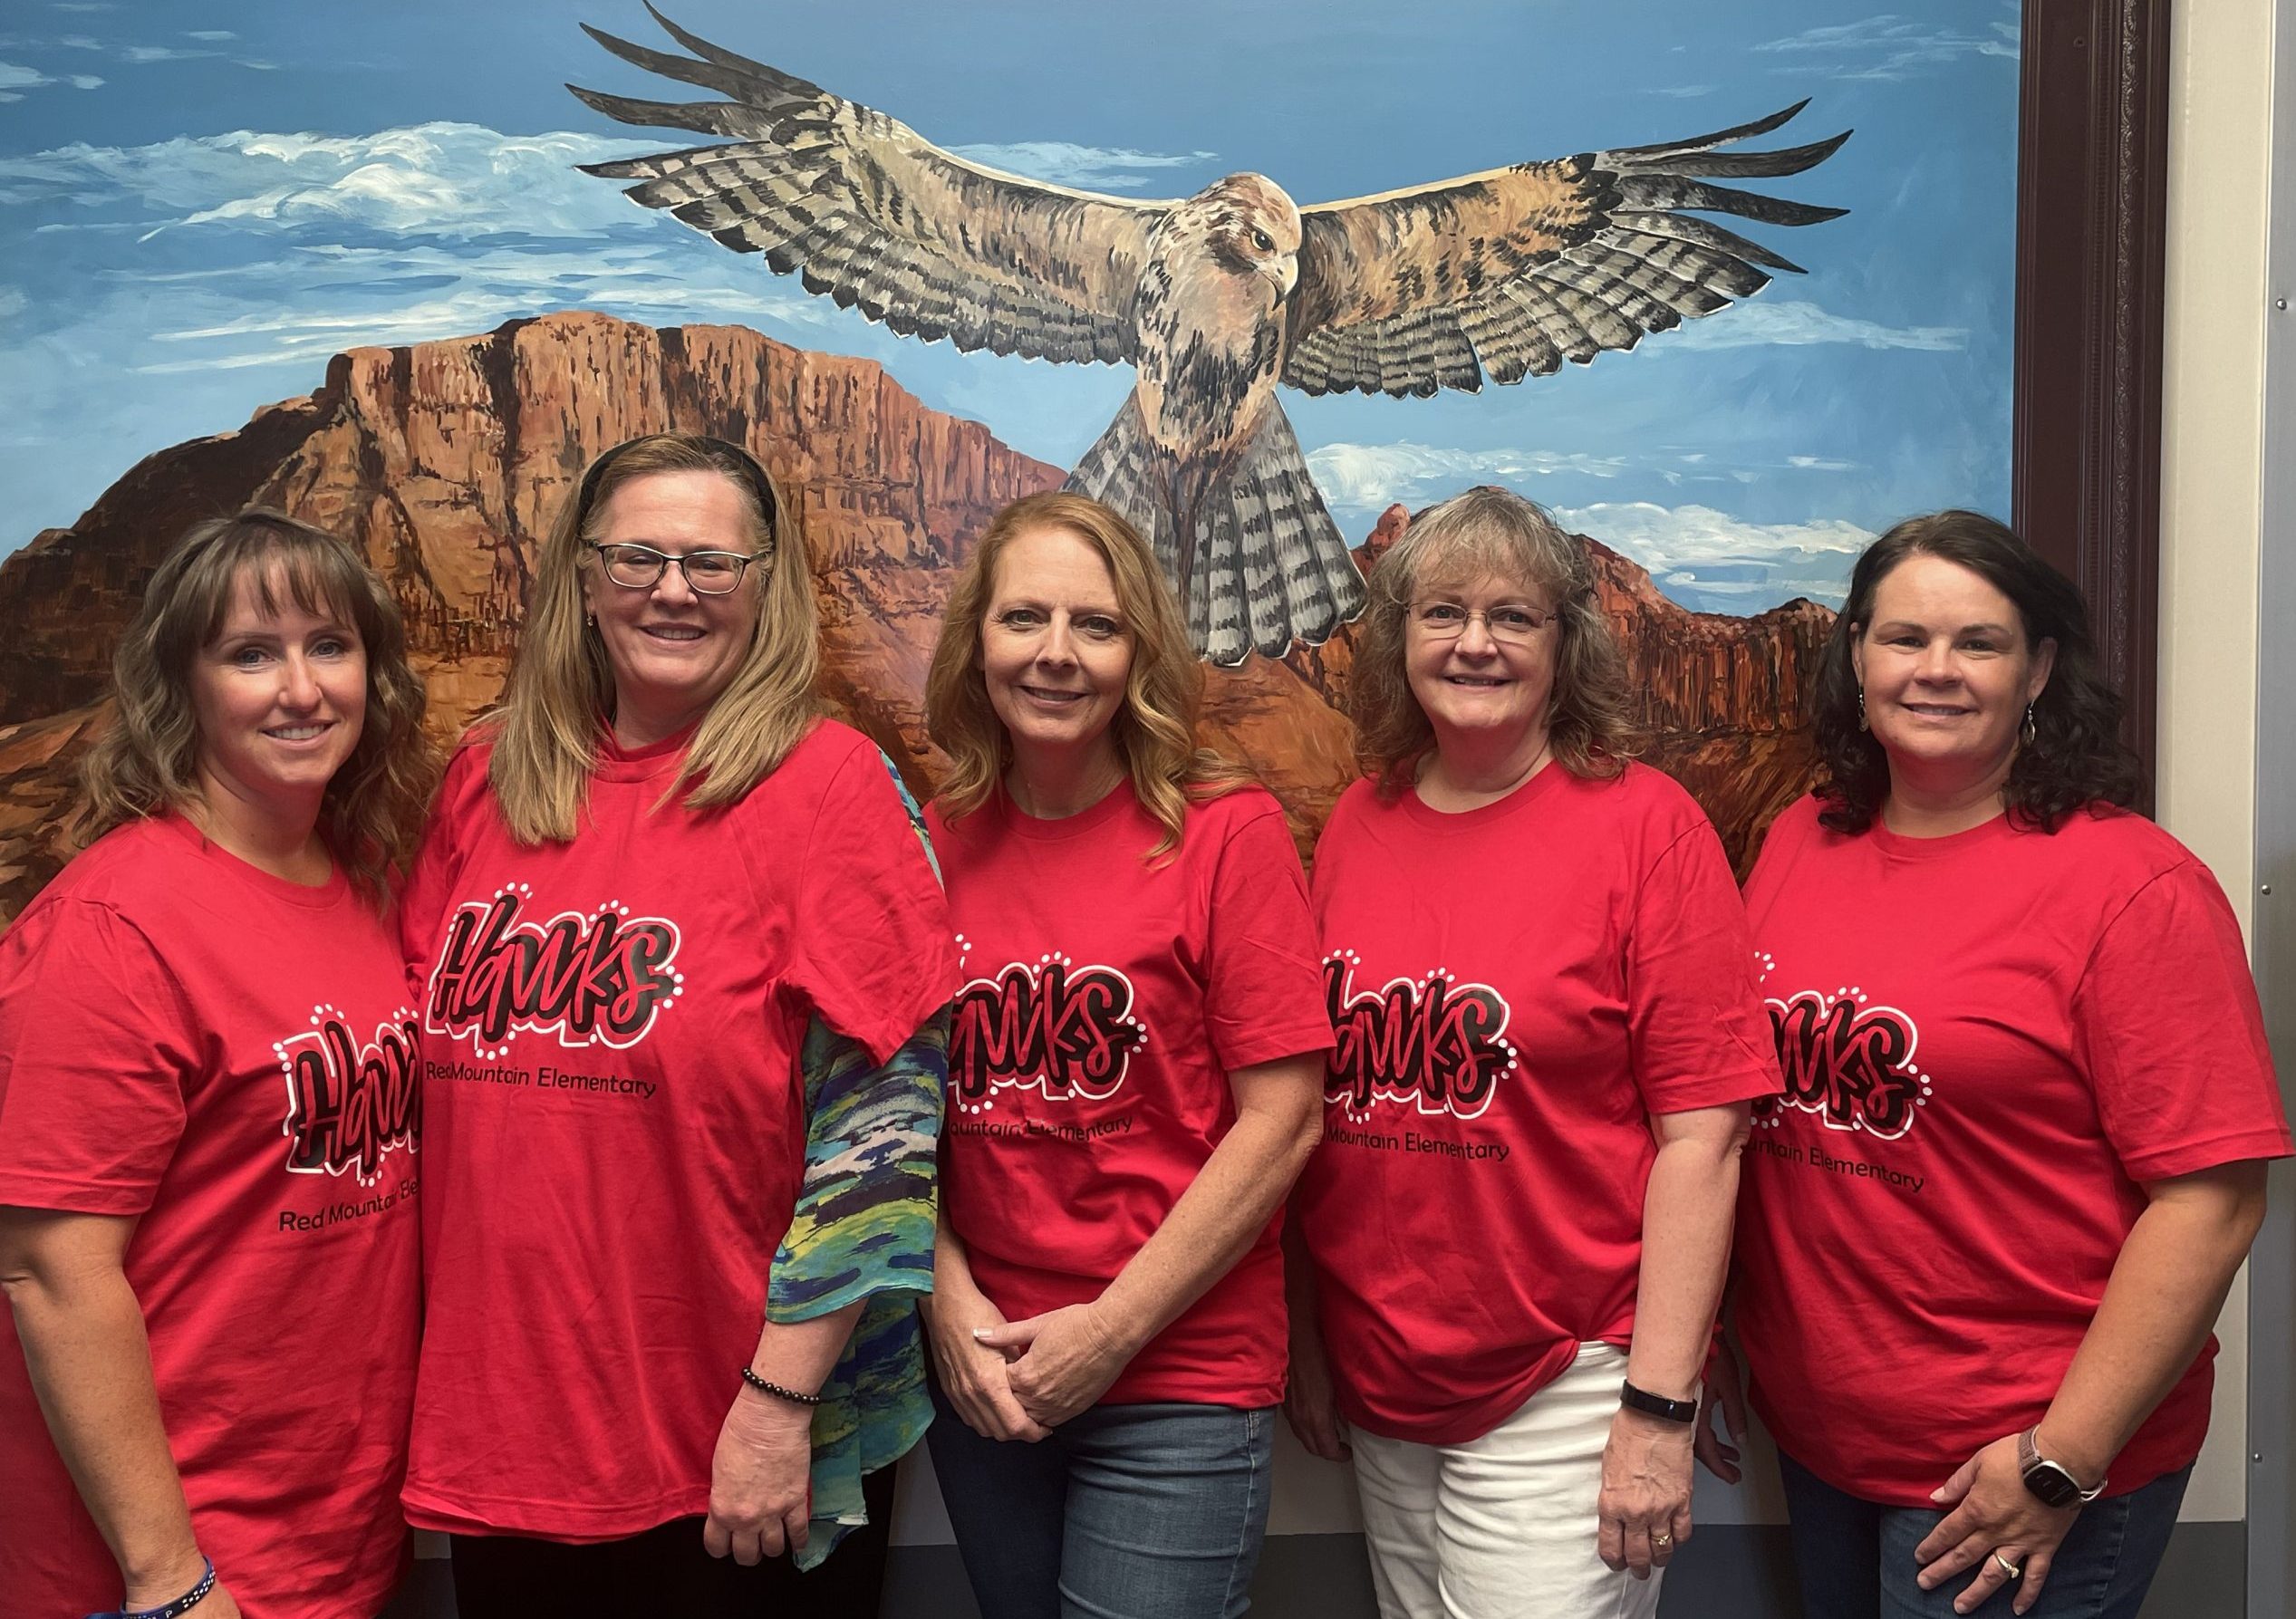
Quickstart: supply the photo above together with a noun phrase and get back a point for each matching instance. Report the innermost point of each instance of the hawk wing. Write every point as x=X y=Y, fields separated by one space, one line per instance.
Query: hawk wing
x=871 y=213
x=1513 y=271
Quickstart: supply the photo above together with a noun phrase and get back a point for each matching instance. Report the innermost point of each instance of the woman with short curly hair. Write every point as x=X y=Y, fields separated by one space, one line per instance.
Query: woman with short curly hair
x=208 y=1108
x=2028 y=1099
x=1511 y=1241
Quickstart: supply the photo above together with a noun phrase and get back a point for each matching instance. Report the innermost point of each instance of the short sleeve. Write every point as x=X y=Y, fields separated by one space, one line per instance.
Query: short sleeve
x=871 y=948
x=1695 y=1022
x=97 y=1050
x=1263 y=991
x=2171 y=1035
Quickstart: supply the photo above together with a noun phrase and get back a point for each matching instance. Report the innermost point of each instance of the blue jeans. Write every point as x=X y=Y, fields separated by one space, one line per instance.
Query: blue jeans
x=1125 y=1512
x=1856 y=1558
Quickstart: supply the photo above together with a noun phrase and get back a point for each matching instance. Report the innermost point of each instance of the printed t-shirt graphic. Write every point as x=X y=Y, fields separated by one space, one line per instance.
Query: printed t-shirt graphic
x=1515 y=991
x=616 y=1117
x=1107 y=1000
x=228 y=1057
x=1989 y=1041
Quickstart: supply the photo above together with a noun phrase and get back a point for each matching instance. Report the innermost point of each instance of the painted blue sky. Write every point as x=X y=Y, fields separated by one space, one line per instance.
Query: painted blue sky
x=201 y=200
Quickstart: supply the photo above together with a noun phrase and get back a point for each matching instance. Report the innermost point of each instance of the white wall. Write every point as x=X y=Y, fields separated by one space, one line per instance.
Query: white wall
x=2212 y=466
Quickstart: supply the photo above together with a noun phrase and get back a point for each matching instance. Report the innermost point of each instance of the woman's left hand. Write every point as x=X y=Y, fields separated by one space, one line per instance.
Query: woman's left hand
x=1644 y=1505
x=1992 y=1518
x=760 y=1481
x=1065 y=1360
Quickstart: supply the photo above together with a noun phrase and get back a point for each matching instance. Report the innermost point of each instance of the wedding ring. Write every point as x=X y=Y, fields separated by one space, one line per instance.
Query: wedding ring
x=1661 y=1538
x=2007 y=1567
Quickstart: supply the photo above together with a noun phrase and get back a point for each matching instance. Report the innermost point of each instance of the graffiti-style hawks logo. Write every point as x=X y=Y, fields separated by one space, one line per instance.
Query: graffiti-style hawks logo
x=599 y=979
x=1848 y=1062
x=349 y=1103
x=1434 y=1041
x=1054 y=1027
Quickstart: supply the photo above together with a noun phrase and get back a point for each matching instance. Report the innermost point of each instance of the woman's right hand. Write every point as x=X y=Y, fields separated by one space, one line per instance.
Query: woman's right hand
x=1725 y=1392
x=1310 y=1402
x=973 y=1375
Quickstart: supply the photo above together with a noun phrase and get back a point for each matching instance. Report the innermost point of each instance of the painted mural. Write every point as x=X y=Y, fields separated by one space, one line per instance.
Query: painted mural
x=1742 y=353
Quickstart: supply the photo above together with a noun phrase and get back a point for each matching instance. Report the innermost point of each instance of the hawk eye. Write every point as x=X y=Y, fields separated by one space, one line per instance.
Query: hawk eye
x=1263 y=241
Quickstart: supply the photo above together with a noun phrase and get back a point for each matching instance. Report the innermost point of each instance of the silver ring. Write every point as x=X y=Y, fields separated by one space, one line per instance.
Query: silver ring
x=2007 y=1567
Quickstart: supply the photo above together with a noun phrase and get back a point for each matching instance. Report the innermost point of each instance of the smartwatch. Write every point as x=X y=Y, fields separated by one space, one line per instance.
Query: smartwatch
x=2051 y=1484
x=1657 y=1405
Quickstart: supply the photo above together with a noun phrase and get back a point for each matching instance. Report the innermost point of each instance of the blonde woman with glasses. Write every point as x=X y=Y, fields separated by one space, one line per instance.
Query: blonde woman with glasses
x=1133 y=1067
x=1510 y=1247
x=682 y=959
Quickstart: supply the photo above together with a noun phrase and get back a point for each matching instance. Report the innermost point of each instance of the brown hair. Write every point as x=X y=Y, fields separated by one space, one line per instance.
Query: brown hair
x=2075 y=756
x=561 y=692
x=148 y=762
x=1495 y=532
x=1154 y=729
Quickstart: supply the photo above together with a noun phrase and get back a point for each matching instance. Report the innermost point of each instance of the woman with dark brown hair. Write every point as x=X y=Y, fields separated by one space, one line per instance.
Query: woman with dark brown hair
x=208 y=1111
x=1511 y=1241
x=2028 y=1102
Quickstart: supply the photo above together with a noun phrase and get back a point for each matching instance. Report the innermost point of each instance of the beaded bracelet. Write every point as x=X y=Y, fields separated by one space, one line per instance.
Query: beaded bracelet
x=182 y=1605
x=777 y=1391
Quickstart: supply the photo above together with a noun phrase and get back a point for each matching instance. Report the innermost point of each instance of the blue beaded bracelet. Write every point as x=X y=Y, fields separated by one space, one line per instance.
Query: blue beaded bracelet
x=182 y=1605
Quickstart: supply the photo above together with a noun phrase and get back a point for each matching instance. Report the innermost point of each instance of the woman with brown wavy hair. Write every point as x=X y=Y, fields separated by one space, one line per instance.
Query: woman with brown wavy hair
x=1133 y=1067
x=684 y=960
x=1508 y=1252
x=208 y=1111
x=2028 y=1099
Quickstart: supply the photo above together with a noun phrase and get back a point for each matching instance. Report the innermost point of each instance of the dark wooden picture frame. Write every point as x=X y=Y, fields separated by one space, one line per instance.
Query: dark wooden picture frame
x=2092 y=217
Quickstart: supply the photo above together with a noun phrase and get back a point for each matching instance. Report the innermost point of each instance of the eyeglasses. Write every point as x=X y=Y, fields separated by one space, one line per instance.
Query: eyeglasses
x=708 y=572
x=1509 y=622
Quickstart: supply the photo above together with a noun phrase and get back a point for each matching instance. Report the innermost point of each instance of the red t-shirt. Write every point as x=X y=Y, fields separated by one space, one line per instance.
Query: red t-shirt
x=1989 y=1041
x=231 y=1058
x=616 y=1124
x=1105 y=1003
x=1516 y=989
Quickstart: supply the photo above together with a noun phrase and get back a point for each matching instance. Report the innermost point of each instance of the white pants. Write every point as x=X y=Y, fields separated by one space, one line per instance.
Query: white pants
x=1502 y=1527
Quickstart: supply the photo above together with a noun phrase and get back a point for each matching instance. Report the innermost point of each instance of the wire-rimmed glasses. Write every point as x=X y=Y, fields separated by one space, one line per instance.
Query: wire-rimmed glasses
x=1514 y=622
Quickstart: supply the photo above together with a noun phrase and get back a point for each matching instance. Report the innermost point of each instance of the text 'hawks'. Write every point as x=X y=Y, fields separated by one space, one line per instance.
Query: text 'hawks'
x=598 y=978
x=1057 y=1027
x=348 y=1105
x=1850 y=1064
x=1434 y=1041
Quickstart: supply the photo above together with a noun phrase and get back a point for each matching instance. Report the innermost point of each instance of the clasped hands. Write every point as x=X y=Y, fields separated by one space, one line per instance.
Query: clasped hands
x=1020 y=1379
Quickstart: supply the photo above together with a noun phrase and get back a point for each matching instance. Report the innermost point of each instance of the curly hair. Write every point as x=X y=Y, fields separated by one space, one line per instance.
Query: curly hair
x=2075 y=756
x=148 y=761
x=560 y=696
x=1488 y=530
x=1154 y=729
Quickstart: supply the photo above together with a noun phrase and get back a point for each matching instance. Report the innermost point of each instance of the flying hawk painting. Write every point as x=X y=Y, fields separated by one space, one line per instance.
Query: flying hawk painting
x=1218 y=299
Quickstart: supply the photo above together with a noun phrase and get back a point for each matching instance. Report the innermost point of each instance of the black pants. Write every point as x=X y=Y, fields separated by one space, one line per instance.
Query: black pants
x=666 y=1573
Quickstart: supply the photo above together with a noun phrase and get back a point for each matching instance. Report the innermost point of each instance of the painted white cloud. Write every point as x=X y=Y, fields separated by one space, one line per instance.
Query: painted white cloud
x=1094 y=167
x=1889 y=47
x=211 y=35
x=1790 y=321
x=1711 y=559
x=14 y=76
x=1368 y=477
x=162 y=53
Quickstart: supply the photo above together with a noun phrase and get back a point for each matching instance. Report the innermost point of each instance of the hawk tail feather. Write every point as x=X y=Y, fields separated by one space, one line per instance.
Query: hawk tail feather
x=1269 y=565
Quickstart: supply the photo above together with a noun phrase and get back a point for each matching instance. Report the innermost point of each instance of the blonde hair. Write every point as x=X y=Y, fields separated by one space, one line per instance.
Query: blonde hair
x=1154 y=729
x=560 y=696
x=1494 y=532
x=148 y=761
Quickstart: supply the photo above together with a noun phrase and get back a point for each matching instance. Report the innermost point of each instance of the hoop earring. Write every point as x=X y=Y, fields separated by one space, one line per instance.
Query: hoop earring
x=1861 y=708
x=2027 y=731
